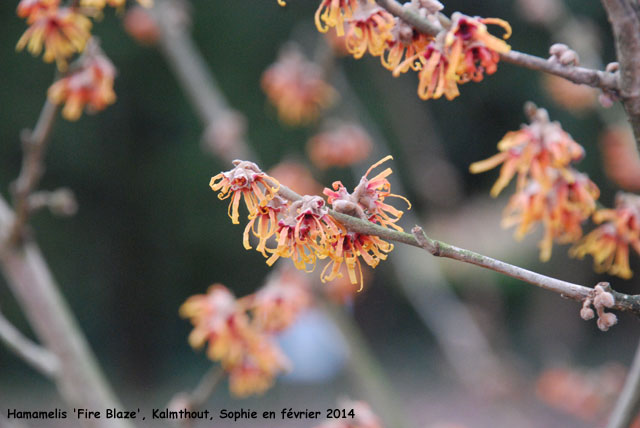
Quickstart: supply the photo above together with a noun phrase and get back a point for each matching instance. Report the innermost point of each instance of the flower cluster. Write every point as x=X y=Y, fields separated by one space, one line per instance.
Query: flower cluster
x=609 y=243
x=304 y=230
x=239 y=332
x=89 y=84
x=548 y=189
x=62 y=31
x=295 y=86
x=367 y=201
x=464 y=51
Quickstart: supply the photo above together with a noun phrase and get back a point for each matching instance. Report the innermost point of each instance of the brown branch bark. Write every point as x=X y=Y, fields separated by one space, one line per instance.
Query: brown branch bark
x=418 y=238
x=579 y=75
x=624 y=16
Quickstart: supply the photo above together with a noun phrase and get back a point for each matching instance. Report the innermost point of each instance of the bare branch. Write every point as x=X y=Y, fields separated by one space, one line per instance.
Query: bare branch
x=623 y=302
x=579 y=75
x=36 y=356
x=34 y=145
x=224 y=127
x=628 y=404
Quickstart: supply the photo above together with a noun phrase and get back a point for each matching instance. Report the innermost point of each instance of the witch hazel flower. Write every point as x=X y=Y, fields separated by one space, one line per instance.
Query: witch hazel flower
x=277 y=304
x=264 y=223
x=245 y=181
x=305 y=233
x=30 y=9
x=465 y=52
x=367 y=199
x=296 y=87
x=346 y=252
x=369 y=30
x=405 y=42
x=244 y=350
x=218 y=320
x=562 y=208
x=531 y=152
x=609 y=243
x=341 y=145
x=334 y=13
x=89 y=85
x=62 y=32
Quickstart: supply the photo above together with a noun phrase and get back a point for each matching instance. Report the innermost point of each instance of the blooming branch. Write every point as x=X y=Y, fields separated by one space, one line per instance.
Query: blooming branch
x=418 y=238
x=580 y=75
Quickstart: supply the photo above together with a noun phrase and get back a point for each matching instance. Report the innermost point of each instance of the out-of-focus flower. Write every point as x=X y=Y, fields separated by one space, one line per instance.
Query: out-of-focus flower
x=140 y=25
x=369 y=30
x=333 y=13
x=561 y=208
x=61 y=31
x=218 y=319
x=342 y=145
x=296 y=176
x=245 y=181
x=363 y=416
x=609 y=243
x=89 y=85
x=31 y=9
x=118 y=4
x=533 y=151
x=253 y=378
x=621 y=160
x=588 y=394
x=296 y=88
x=278 y=303
x=244 y=350
x=569 y=95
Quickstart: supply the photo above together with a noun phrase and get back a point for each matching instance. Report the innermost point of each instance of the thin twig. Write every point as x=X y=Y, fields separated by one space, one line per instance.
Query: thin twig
x=628 y=404
x=34 y=145
x=418 y=238
x=579 y=75
x=35 y=355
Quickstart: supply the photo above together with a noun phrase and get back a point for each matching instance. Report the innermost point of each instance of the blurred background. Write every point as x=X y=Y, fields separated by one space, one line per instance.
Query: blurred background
x=149 y=231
